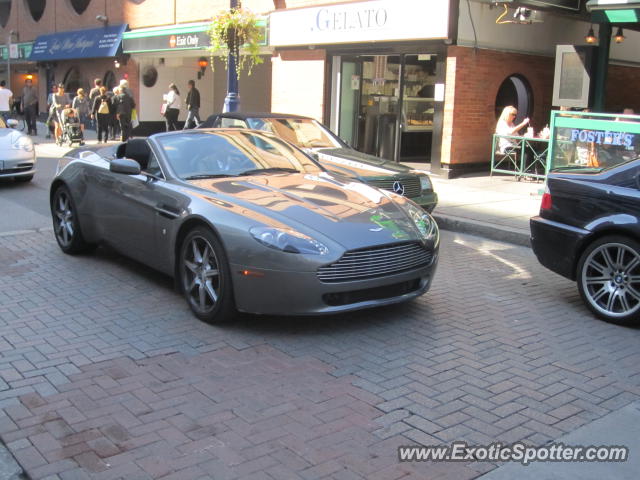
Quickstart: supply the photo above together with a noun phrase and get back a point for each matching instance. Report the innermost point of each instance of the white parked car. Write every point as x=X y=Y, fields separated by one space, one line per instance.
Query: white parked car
x=17 y=157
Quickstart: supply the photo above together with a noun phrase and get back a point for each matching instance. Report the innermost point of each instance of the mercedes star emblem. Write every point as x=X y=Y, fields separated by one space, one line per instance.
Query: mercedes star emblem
x=398 y=188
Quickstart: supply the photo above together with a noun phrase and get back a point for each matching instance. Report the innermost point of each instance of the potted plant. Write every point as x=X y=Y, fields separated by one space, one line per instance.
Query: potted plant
x=236 y=33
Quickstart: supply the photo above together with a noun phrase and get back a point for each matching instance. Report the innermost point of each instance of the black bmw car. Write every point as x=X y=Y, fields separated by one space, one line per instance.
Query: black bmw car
x=334 y=154
x=588 y=230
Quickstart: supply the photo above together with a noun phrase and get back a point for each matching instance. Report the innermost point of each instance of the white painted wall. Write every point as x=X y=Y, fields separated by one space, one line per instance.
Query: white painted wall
x=537 y=38
x=178 y=70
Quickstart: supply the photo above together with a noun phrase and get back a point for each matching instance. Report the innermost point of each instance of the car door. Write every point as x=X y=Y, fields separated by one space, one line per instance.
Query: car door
x=131 y=205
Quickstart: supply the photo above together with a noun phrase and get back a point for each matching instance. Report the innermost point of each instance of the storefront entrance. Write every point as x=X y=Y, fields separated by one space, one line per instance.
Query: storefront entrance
x=385 y=104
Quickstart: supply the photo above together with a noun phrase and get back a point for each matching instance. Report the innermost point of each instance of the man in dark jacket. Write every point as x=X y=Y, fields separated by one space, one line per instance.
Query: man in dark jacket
x=193 y=106
x=124 y=105
x=30 y=106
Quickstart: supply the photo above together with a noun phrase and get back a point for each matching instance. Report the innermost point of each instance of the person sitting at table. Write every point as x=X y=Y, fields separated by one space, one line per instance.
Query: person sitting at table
x=505 y=126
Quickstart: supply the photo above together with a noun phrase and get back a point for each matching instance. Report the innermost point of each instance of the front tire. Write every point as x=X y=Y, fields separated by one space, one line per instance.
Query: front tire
x=609 y=279
x=66 y=226
x=205 y=277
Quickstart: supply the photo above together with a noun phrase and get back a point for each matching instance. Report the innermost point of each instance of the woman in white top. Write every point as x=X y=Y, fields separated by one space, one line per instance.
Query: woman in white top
x=172 y=109
x=506 y=126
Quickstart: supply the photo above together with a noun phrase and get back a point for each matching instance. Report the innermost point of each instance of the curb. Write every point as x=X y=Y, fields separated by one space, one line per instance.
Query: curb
x=491 y=231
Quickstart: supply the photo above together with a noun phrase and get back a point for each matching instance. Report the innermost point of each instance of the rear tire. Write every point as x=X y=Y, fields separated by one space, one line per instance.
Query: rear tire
x=205 y=277
x=66 y=226
x=608 y=278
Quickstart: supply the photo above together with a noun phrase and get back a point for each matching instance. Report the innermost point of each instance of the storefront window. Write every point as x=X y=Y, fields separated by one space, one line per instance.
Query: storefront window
x=5 y=12
x=79 y=5
x=72 y=81
x=592 y=142
x=515 y=91
x=387 y=104
x=36 y=8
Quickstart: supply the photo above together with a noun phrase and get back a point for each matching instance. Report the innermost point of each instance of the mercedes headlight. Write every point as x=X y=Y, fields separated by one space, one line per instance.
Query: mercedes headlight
x=425 y=183
x=287 y=241
x=22 y=143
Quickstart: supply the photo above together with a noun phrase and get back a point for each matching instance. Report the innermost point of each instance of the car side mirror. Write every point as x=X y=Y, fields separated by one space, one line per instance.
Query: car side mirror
x=12 y=123
x=125 y=166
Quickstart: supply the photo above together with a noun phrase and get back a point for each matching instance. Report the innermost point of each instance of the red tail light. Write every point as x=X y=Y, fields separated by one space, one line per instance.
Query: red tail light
x=546 y=200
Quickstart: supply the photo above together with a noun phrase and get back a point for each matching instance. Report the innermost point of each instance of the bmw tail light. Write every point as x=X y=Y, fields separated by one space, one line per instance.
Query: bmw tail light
x=546 y=199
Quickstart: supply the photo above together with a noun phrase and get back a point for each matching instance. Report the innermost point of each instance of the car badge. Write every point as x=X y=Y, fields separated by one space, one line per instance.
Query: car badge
x=398 y=188
x=373 y=229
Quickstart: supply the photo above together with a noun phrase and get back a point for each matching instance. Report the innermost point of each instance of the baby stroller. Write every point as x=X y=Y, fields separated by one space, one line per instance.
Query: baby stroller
x=71 y=131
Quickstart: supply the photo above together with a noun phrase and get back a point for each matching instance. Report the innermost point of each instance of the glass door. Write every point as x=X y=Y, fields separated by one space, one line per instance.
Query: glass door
x=350 y=81
x=379 y=106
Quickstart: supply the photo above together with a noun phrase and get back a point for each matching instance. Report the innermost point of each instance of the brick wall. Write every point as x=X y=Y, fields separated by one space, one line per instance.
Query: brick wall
x=622 y=88
x=472 y=86
x=298 y=82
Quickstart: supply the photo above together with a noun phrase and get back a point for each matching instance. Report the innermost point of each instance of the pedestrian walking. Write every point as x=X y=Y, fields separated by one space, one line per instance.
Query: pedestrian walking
x=124 y=106
x=172 y=107
x=51 y=112
x=101 y=113
x=30 y=106
x=61 y=101
x=95 y=91
x=193 y=106
x=82 y=106
x=6 y=96
x=114 y=126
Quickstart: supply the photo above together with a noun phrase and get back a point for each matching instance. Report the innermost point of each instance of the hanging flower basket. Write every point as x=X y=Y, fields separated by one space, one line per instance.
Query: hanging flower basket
x=236 y=32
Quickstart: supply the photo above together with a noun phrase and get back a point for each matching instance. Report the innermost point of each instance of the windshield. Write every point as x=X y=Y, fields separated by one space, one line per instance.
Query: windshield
x=302 y=132
x=204 y=154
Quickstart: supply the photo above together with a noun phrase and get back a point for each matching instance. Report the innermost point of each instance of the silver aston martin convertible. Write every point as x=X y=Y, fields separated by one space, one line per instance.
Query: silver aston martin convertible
x=245 y=221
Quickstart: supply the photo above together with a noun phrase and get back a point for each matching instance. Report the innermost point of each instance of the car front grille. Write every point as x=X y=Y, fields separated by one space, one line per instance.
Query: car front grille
x=376 y=293
x=411 y=185
x=18 y=169
x=375 y=262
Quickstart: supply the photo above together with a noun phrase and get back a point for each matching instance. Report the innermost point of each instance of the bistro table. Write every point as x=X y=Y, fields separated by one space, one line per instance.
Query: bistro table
x=527 y=159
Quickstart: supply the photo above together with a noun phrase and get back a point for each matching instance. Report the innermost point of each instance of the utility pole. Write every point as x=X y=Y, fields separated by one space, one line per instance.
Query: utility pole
x=232 y=100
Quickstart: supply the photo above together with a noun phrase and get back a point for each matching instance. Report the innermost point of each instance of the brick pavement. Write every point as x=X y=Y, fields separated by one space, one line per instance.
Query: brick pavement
x=105 y=374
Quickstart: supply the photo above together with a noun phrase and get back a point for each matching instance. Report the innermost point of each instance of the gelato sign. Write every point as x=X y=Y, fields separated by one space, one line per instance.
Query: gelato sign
x=375 y=20
x=91 y=43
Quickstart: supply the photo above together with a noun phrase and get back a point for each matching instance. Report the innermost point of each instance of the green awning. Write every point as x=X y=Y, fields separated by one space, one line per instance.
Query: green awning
x=194 y=36
x=614 y=11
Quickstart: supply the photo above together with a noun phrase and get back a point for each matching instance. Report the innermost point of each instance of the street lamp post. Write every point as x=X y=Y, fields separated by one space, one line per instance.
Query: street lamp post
x=232 y=100
x=9 y=40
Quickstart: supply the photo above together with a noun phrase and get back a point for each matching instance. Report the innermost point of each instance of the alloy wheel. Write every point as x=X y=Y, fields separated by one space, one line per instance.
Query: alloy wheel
x=64 y=219
x=610 y=280
x=201 y=274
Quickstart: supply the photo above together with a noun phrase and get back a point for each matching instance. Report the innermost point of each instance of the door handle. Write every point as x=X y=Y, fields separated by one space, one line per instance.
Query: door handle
x=166 y=211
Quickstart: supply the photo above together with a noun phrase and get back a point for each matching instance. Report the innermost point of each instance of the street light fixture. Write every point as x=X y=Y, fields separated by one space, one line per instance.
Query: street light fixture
x=591 y=37
x=619 y=38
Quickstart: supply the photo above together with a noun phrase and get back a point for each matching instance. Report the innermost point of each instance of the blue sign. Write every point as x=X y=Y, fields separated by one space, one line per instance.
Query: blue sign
x=91 y=43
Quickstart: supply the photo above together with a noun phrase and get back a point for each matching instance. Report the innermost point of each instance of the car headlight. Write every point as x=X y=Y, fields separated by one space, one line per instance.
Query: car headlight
x=287 y=241
x=22 y=143
x=425 y=183
x=425 y=223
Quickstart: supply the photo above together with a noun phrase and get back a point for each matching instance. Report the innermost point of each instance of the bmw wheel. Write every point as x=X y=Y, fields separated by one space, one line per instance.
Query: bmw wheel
x=66 y=226
x=205 y=278
x=609 y=279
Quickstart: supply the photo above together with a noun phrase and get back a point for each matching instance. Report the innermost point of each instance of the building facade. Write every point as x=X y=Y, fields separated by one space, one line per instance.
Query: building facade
x=408 y=80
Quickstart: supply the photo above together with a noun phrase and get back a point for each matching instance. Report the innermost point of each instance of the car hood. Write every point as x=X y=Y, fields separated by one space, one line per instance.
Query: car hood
x=352 y=163
x=350 y=213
